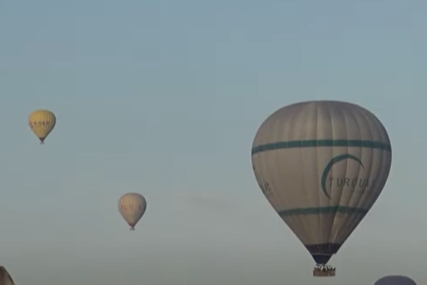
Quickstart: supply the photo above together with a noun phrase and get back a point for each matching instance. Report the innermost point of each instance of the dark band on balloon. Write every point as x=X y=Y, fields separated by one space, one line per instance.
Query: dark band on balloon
x=322 y=143
x=321 y=253
x=323 y=210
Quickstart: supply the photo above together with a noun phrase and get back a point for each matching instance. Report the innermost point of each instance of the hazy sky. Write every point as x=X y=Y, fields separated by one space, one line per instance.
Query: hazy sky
x=164 y=97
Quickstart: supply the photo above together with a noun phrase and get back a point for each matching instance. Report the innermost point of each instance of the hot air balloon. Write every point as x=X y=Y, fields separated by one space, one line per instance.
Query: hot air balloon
x=42 y=123
x=395 y=280
x=321 y=165
x=5 y=278
x=132 y=207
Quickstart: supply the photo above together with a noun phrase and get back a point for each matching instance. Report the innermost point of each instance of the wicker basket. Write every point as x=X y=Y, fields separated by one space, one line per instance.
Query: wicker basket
x=323 y=272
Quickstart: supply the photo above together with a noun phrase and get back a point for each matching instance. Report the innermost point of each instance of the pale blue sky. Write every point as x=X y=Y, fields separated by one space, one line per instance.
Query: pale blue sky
x=164 y=97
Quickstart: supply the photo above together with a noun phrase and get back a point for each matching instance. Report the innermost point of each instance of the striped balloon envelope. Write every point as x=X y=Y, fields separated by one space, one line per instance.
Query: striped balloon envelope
x=322 y=165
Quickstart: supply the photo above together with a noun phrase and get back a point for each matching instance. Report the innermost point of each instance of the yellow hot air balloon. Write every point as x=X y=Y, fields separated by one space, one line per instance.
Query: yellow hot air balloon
x=42 y=123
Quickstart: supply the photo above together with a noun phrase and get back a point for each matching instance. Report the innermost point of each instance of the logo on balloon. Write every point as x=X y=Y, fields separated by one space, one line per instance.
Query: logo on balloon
x=351 y=183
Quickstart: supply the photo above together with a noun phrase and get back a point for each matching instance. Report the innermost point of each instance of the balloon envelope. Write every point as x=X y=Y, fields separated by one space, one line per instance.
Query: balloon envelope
x=5 y=278
x=395 y=280
x=321 y=165
x=132 y=207
x=42 y=122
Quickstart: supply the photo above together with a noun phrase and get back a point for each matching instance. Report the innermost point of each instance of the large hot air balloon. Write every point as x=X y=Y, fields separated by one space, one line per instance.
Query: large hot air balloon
x=395 y=280
x=132 y=207
x=322 y=165
x=42 y=123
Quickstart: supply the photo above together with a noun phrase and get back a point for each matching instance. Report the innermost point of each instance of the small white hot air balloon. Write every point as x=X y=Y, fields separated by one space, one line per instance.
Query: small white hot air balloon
x=132 y=207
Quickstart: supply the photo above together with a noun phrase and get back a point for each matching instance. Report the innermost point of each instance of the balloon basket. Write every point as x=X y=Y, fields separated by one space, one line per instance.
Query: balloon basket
x=132 y=229
x=323 y=271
